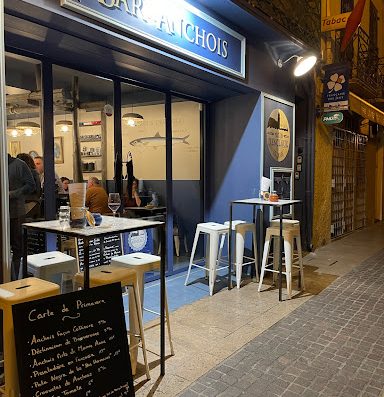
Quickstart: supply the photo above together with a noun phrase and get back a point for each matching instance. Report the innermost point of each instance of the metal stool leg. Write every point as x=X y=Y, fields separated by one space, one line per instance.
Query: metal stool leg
x=195 y=240
x=265 y=261
x=168 y=324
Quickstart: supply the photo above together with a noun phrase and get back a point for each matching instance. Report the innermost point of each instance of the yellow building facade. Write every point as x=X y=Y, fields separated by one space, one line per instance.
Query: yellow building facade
x=348 y=180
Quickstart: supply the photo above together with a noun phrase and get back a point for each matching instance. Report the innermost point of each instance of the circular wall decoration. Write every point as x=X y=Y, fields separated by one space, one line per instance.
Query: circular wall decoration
x=278 y=135
x=137 y=240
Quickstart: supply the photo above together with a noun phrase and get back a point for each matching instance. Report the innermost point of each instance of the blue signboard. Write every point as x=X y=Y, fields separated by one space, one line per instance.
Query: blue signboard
x=174 y=24
x=336 y=87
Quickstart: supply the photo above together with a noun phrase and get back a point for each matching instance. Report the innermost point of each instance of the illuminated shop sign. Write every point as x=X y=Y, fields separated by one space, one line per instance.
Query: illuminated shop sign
x=174 y=24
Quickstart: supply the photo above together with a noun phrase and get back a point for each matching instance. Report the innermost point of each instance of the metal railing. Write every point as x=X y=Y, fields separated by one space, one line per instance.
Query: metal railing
x=363 y=59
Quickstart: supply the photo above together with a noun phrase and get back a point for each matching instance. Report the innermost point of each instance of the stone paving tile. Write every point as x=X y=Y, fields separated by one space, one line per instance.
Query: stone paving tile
x=332 y=345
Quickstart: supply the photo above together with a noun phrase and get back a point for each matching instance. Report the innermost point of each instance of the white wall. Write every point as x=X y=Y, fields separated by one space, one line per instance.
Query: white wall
x=148 y=155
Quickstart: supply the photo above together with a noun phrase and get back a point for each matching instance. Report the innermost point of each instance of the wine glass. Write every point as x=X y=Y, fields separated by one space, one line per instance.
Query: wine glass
x=114 y=202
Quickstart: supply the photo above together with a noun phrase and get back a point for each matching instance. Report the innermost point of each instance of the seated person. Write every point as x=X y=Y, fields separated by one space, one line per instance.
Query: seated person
x=65 y=182
x=135 y=200
x=96 y=198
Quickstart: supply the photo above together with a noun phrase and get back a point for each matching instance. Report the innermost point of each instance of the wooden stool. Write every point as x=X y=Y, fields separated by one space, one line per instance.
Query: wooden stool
x=141 y=263
x=290 y=234
x=108 y=274
x=18 y=291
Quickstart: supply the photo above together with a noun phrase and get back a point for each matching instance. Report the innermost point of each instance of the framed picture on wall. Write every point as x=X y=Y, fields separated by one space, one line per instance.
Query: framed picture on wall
x=282 y=184
x=58 y=150
x=14 y=148
x=279 y=134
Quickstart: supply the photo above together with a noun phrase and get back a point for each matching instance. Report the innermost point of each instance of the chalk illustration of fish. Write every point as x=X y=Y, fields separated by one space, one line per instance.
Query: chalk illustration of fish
x=157 y=140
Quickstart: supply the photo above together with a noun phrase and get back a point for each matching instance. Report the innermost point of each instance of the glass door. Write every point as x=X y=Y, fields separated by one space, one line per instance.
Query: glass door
x=187 y=171
x=143 y=163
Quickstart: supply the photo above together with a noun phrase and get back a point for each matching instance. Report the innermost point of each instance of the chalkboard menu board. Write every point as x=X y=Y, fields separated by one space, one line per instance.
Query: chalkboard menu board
x=35 y=242
x=74 y=345
x=101 y=250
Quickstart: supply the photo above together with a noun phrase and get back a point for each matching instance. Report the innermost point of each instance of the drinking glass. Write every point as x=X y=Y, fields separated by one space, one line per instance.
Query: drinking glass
x=114 y=202
x=64 y=215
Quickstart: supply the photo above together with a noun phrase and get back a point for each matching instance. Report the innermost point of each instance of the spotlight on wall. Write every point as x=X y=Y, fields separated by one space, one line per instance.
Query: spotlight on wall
x=304 y=64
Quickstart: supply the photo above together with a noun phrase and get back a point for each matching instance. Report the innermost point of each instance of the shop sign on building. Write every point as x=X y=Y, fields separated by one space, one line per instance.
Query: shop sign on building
x=334 y=22
x=332 y=118
x=336 y=87
x=173 y=24
x=366 y=110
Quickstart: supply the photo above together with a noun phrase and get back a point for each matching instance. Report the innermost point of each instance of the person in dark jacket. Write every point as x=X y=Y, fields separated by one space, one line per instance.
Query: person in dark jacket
x=21 y=184
x=32 y=201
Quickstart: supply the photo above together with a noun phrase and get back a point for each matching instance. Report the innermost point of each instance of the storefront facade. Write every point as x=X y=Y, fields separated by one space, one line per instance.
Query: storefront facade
x=199 y=82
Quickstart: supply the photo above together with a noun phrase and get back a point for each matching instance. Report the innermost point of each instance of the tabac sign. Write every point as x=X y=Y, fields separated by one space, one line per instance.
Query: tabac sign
x=174 y=24
x=334 y=22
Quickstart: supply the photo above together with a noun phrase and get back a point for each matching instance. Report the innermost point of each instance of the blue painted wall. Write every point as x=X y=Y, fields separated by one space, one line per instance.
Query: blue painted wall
x=233 y=155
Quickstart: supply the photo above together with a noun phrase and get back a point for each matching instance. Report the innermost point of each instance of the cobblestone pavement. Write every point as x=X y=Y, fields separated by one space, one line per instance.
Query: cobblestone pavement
x=332 y=345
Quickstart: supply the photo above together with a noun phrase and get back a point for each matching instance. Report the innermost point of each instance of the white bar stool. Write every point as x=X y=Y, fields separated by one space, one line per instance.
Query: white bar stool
x=213 y=231
x=108 y=274
x=141 y=263
x=290 y=235
x=47 y=264
x=241 y=228
x=286 y=223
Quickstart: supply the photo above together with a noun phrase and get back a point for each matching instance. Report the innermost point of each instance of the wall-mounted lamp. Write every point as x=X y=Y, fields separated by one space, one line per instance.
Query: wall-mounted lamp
x=303 y=65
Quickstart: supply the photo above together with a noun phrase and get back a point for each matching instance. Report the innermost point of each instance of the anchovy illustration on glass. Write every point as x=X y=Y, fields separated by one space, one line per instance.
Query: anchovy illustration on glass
x=157 y=140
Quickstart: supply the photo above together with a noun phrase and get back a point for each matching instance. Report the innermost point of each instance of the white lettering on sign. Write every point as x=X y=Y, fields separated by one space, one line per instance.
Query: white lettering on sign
x=167 y=20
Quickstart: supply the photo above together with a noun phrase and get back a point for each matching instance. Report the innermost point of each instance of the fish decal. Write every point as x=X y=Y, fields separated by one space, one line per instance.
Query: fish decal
x=157 y=140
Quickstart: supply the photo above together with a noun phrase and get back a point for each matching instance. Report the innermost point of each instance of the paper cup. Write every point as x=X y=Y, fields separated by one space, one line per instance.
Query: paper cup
x=77 y=193
x=265 y=184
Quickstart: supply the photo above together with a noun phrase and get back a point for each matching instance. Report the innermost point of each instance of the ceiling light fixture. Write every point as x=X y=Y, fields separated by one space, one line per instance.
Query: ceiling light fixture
x=29 y=128
x=13 y=131
x=65 y=125
x=133 y=119
x=304 y=64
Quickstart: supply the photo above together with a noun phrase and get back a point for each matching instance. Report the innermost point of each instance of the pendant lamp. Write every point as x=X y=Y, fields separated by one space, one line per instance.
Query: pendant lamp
x=65 y=125
x=13 y=131
x=133 y=119
x=29 y=128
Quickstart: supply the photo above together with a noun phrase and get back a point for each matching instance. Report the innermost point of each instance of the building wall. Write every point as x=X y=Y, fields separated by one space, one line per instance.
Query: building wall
x=324 y=149
x=322 y=186
x=233 y=155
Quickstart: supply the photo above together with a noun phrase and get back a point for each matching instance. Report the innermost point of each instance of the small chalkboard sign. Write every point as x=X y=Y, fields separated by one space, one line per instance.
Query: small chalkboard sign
x=35 y=242
x=74 y=345
x=101 y=250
